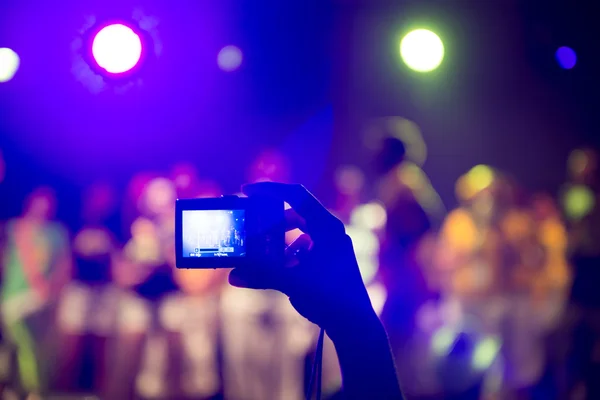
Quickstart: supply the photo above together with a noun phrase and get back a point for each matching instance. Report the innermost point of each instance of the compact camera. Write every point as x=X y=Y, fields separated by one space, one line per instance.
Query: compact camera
x=229 y=232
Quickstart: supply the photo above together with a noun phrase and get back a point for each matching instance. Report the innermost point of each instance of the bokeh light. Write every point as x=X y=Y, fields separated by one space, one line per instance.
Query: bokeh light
x=517 y=226
x=579 y=201
x=378 y=296
x=479 y=178
x=371 y=216
x=271 y=165
x=9 y=64
x=442 y=340
x=485 y=353
x=366 y=247
x=144 y=245
x=368 y=266
x=117 y=48
x=422 y=50
x=349 y=179
x=160 y=196
x=365 y=242
x=553 y=235
x=566 y=57
x=229 y=58
x=460 y=231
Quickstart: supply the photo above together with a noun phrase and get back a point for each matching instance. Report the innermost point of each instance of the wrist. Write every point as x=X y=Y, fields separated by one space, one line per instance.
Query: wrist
x=355 y=327
x=366 y=359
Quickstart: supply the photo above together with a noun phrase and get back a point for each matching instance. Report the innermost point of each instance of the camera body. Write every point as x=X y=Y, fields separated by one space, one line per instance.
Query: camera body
x=229 y=232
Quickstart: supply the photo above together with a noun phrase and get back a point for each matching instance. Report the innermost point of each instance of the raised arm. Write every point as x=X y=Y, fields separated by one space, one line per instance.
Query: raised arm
x=324 y=284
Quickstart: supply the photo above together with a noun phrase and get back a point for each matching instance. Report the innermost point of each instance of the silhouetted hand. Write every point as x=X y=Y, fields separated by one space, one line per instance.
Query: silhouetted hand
x=321 y=277
x=323 y=282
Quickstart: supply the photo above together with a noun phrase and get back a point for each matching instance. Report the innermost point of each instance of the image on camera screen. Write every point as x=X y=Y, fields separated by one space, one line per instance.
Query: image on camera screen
x=213 y=233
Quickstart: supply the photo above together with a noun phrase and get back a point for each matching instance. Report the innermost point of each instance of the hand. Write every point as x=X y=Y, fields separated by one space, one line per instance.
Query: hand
x=321 y=276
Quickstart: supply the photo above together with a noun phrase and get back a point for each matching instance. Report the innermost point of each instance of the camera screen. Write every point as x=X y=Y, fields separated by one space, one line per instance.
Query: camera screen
x=213 y=233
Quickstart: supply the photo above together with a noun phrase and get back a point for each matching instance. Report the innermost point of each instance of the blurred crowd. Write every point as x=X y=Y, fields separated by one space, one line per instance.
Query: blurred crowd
x=495 y=299
x=104 y=310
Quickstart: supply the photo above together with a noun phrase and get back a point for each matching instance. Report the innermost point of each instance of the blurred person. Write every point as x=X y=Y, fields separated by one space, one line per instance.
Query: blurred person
x=323 y=283
x=36 y=264
x=180 y=356
x=191 y=319
x=538 y=281
x=581 y=323
x=265 y=346
x=470 y=242
x=553 y=236
x=397 y=153
x=88 y=309
x=413 y=210
x=498 y=269
x=193 y=316
x=143 y=272
x=134 y=204
x=190 y=316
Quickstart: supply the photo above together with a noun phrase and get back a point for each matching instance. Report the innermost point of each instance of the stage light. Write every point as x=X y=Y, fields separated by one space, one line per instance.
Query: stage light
x=9 y=64
x=566 y=57
x=117 y=48
x=229 y=58
x=422 y=50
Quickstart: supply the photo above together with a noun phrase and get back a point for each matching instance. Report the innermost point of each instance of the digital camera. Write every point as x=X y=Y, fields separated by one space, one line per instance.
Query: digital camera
x=229 y=232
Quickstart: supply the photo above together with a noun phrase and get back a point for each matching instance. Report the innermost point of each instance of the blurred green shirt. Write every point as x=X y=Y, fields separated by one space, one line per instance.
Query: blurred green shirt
x=49 y=243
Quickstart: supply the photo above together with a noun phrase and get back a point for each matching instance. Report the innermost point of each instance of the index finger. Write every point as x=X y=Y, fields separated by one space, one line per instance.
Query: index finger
x=320 y=223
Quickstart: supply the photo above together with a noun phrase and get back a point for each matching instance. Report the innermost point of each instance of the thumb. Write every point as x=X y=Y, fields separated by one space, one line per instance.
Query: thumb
x=247 y=278
x=283 y=278
x=239 y=279
x=255 y=277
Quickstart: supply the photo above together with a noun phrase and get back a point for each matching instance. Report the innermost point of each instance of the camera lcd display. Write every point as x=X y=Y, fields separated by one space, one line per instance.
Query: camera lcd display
x=213 y=233
x=229 y=232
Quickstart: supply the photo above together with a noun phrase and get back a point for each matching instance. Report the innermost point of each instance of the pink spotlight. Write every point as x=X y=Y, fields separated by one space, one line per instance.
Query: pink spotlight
x=117 y=48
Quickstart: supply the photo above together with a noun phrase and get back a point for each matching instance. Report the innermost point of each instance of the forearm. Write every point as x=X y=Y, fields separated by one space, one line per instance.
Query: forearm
x=366 y=361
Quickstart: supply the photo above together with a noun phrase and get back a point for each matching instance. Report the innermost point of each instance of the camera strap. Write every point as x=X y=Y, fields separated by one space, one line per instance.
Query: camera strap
x=317 y=368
